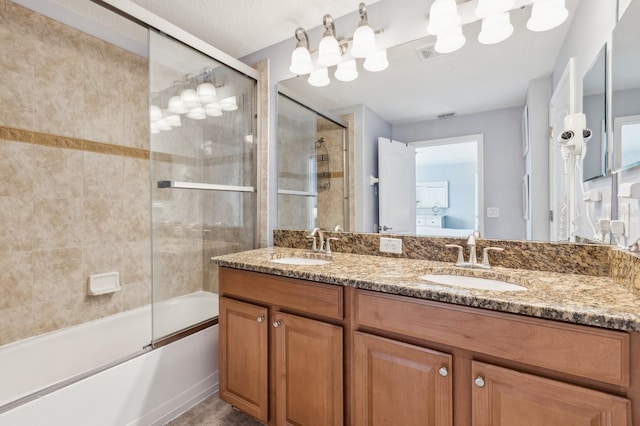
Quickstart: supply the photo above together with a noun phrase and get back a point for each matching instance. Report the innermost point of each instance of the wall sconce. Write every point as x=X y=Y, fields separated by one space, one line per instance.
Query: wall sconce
x=445 y=21
x=333 y=52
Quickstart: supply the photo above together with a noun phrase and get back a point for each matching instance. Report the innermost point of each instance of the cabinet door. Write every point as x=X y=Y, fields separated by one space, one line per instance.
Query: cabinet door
x=505 y=397
x=243 y=357
x=307 y=371
x=400 y=384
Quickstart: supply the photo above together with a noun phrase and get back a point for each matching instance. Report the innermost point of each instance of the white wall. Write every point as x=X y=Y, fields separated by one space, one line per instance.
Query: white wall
x=503 y=162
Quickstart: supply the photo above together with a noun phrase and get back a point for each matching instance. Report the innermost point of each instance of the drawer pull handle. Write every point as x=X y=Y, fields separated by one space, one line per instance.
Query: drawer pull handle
x=479 y=381
x=276 y=324
x=443 y=371
x=260 y=318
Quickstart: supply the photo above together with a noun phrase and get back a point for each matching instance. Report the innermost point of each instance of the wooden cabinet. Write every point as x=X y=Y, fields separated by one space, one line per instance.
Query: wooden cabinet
x=279 y=367
x=308 y=371
x=400 y=384
x=243 y=357
x=502 y=396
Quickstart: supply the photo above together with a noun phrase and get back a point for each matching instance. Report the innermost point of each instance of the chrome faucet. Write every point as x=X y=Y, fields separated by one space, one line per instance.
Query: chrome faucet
x=473 y=259
x=319 y=239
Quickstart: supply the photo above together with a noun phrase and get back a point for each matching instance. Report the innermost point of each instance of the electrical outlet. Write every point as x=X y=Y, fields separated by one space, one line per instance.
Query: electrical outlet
x=625 y=213
x=493 y=212
x=391 y=245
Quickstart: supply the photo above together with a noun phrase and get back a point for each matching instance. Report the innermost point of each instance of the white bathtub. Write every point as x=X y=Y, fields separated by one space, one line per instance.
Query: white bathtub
x=148 y=389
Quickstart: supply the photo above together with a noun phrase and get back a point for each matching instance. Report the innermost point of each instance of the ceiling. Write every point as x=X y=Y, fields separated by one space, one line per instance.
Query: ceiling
x=475 y=78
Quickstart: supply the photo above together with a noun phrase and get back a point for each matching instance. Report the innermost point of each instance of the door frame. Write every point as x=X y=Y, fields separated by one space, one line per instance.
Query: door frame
x=479 y=139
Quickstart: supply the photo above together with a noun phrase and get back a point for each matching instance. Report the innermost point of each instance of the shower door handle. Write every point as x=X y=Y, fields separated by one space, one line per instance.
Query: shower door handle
x=385 y=228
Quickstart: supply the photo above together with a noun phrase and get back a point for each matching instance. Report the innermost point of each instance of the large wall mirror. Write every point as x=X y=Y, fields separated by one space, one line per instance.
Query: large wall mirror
x=479 y=89
x=594 y=97
x=626 y=89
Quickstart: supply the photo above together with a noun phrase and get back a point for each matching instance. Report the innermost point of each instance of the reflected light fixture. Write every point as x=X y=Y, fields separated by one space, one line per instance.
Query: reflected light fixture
x=446 y=20
x=333 y=51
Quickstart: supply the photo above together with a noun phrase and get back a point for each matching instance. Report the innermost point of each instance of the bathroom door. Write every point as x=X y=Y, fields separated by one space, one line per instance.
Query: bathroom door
x=397 y=187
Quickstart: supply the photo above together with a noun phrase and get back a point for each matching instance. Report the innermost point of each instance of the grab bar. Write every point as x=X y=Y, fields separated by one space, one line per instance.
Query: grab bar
x=205 y=186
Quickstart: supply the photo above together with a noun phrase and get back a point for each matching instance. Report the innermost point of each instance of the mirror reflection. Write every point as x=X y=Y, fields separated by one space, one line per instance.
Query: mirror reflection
x=594 y=108
x=500 y=91
x=626 y=88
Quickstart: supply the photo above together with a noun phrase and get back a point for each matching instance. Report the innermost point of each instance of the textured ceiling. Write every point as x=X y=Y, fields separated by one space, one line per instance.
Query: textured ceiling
x=244 y=26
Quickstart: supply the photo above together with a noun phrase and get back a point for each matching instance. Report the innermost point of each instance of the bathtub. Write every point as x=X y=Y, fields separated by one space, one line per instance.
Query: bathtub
x=54 y=373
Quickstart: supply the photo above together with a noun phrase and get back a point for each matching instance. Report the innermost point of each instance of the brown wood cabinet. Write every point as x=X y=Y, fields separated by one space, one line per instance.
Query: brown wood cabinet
x=294 y=352
x=505 y=397
x=400 y=384
x=279 y=367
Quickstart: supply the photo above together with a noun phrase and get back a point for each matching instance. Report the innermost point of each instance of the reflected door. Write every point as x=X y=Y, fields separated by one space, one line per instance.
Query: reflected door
x=397 y=195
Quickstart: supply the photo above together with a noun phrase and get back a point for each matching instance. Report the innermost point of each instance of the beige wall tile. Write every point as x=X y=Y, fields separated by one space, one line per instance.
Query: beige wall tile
x=135 y=101
x=57 y=274
x=135 y=184
x=102 y=175
x=57 y=223
x=136 y=295
x=16 y=280
x=57 y=172
x=16 y=216
x=136 y=216
x=102 y=221
x=95 y=307
x=136 y=262
x=18 y=53
x=54 y=314
x=16 y=99
x=15 y=169
x=16 y=324
x=101 y=258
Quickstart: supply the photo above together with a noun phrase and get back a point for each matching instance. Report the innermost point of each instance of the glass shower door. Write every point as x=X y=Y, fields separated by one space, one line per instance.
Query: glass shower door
x=203 y=177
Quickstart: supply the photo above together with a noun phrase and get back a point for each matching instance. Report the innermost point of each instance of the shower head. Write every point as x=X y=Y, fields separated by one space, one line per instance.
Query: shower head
x=319 y=142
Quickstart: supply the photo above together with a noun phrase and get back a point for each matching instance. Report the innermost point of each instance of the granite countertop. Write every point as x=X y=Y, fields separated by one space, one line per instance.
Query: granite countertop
x=579 y=299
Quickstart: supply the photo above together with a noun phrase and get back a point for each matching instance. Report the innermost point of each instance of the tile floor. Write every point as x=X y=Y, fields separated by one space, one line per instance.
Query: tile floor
x=213 y=412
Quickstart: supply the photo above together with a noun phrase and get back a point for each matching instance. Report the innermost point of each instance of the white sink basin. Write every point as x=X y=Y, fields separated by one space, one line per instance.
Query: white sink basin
x=473 y=282
x=300 y=261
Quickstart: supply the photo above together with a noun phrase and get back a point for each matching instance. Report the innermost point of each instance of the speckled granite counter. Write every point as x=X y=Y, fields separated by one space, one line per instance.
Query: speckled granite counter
x=579 y=299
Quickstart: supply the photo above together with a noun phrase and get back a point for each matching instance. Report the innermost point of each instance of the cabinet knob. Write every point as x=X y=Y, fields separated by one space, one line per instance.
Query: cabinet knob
x=443 y=371
x=479 y=381
x=260 y=318
x=276 y=324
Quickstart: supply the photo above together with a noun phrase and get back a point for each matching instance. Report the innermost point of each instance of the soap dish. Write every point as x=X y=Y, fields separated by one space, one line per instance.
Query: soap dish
x=106 y=283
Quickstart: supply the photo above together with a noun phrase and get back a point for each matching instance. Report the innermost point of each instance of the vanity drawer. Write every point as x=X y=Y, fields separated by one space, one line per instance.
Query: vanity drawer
x=297 y=295
x=582 y=351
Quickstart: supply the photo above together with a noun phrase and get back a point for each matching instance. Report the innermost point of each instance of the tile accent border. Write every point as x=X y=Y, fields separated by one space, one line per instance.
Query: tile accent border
x=567 y=258
x=57 y=141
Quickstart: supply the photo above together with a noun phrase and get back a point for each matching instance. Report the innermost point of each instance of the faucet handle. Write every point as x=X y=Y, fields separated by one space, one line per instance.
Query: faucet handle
x=328 y=243
x=485 y=255
x=460 y=260
x=314 y=247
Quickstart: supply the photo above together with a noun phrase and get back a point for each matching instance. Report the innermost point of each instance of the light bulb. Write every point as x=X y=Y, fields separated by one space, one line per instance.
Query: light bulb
x=495 y=28
x=229 y=104
x=154 y=128
x=547 y=14
x=347 y=71
x=364 y=41
x=176 y=106
x=163 y=125
x=197 y=113
x=173 y=120
x=189 y=99
x=213 y=110
x=155 y=113
x=328 y=51
x=319 y=78
x=300 y=61
x=450 y=40
x=443 y=15
x=376 y=62
x=206 y=93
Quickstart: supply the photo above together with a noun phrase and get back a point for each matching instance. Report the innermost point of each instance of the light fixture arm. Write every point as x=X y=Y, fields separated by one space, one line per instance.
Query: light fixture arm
x=302 y=37
x=327 y=21
x=362 y=9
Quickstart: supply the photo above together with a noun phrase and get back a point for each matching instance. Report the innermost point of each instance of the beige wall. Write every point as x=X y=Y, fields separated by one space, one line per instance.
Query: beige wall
x=74 y=198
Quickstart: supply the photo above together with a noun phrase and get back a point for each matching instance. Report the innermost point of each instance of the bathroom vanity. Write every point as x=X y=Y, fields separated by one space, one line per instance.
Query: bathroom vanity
x=362 y=340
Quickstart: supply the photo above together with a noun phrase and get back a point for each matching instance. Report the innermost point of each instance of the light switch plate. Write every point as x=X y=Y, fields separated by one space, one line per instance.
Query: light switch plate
x=493 y=212
x=391 y=245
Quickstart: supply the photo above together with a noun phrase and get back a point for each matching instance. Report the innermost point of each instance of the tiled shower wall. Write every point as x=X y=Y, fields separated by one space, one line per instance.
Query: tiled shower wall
x=74 y=198
x=331 y=200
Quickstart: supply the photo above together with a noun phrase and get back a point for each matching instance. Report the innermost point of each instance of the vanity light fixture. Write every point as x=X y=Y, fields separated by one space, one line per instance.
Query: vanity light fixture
x=333 y=51
x=195 y=97
x=446 y=20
